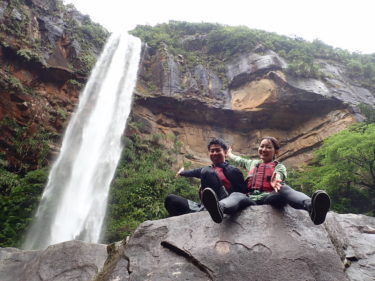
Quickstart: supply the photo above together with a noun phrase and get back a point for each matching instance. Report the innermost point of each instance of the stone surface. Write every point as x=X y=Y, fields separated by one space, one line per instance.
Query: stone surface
x=260 y=243
x=354 y=238
x=72 y=260
x=41 y=71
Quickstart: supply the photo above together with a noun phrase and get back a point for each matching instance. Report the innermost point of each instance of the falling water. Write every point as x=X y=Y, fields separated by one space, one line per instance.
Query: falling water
x=74 y=201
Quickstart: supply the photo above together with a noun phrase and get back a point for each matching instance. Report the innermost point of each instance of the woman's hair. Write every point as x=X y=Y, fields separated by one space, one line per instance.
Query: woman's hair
x=275 y=142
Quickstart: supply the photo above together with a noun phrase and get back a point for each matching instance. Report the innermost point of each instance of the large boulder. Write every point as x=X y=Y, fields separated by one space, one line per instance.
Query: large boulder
x=260 y=243
x=74 y=260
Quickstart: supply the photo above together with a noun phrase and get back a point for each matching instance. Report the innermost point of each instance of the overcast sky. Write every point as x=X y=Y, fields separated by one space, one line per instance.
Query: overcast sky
x=346 y=24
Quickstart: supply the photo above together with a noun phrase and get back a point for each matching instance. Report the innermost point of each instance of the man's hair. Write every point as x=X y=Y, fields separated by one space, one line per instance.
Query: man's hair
x=218 y=141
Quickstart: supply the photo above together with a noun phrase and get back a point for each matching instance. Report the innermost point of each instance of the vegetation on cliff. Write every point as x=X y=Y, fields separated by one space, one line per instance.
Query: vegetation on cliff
x=144 y=177
x=213 y=44
x=345 y=167
x=19 y=197
x=33 y=29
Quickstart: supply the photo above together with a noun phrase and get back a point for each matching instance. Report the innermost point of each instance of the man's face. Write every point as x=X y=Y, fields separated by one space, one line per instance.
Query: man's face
x=217 y=154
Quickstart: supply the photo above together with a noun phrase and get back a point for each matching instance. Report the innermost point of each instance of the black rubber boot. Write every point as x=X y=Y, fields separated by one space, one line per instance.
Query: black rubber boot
x=320 y=203
x=211 y=203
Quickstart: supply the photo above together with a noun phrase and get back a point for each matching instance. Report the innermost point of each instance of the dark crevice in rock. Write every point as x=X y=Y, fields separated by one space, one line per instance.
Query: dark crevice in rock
x=115 y=253
x=128 y=260
x=198 y=112
x=188 y=257
x=340 y=245
x=353 y=258
x=49 y=74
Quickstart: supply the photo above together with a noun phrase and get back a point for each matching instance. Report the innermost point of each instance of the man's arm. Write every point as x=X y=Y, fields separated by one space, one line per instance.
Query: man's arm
x=194 y=173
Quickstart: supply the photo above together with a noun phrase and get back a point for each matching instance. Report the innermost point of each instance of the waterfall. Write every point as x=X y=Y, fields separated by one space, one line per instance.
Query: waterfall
x=74 y=201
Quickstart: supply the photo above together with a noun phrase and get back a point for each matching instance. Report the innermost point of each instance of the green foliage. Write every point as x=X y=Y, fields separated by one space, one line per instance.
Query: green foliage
x=28 y=147
x=16 y=20
x=93 y=32
x=14 y=83
x=144 y=178
x=368 y=111
x=17 y=23
x=345 y=167
x=19 y=196
x=29 y=54
x=74 y=83
x=87 y=62
x=220 y=43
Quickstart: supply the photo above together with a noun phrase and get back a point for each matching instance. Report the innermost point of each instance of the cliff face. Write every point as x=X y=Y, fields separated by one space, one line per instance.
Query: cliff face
x=261 y=243
x=46 y=52
x=252 y=97
x=48 y=49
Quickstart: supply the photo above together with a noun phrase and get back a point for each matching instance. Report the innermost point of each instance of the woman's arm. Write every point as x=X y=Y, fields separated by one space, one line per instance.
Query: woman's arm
x=239 y=161
x=281 y=172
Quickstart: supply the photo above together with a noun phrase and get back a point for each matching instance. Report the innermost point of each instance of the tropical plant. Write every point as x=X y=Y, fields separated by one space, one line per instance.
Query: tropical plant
x=345 y=167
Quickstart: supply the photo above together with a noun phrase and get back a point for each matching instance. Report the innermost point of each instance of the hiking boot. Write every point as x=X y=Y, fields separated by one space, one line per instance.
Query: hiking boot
x=210 y=202
x=320 y=204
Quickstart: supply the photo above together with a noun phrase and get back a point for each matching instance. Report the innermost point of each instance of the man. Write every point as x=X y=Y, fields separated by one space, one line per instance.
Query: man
x=220 y=178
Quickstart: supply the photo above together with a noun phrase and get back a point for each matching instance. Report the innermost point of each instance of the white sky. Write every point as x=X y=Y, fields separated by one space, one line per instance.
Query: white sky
x=347 y=24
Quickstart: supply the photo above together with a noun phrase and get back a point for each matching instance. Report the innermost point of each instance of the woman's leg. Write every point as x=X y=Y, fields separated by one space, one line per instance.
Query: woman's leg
x=274 y=199
x=296 y=199
x=235 y=202
x=317 y=206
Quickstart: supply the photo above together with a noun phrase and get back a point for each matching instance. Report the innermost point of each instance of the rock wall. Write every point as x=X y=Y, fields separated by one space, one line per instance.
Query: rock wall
x=46 y=52
x=256 y=97
x=260 y=243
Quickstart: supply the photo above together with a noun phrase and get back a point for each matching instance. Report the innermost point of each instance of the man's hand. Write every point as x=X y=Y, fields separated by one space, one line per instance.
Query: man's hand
x=275 y=183
x=179 y=171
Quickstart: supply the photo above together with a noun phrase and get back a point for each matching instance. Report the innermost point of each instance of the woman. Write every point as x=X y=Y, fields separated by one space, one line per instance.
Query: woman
x=265 y=183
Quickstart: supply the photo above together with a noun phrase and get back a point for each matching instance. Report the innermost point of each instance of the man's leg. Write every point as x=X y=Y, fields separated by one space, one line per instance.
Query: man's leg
x=235 y=202
x=177 y=205
x=211 y=203
x=210 y=179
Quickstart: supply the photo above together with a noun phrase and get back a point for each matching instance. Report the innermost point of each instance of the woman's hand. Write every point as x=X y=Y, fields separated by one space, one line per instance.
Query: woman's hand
x=275 y=183
x=179 y=171
x=229 y=152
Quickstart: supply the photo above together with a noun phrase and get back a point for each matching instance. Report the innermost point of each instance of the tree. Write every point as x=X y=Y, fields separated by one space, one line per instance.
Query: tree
x=345 y=167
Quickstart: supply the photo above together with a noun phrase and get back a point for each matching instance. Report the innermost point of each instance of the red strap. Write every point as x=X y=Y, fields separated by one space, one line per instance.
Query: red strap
x=222 y=177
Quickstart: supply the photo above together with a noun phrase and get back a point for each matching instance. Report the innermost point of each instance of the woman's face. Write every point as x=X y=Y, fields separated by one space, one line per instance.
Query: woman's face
x=266 y=151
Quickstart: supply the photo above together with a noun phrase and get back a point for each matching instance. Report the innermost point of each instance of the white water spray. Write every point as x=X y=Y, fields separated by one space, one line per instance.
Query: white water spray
x=74 y=201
